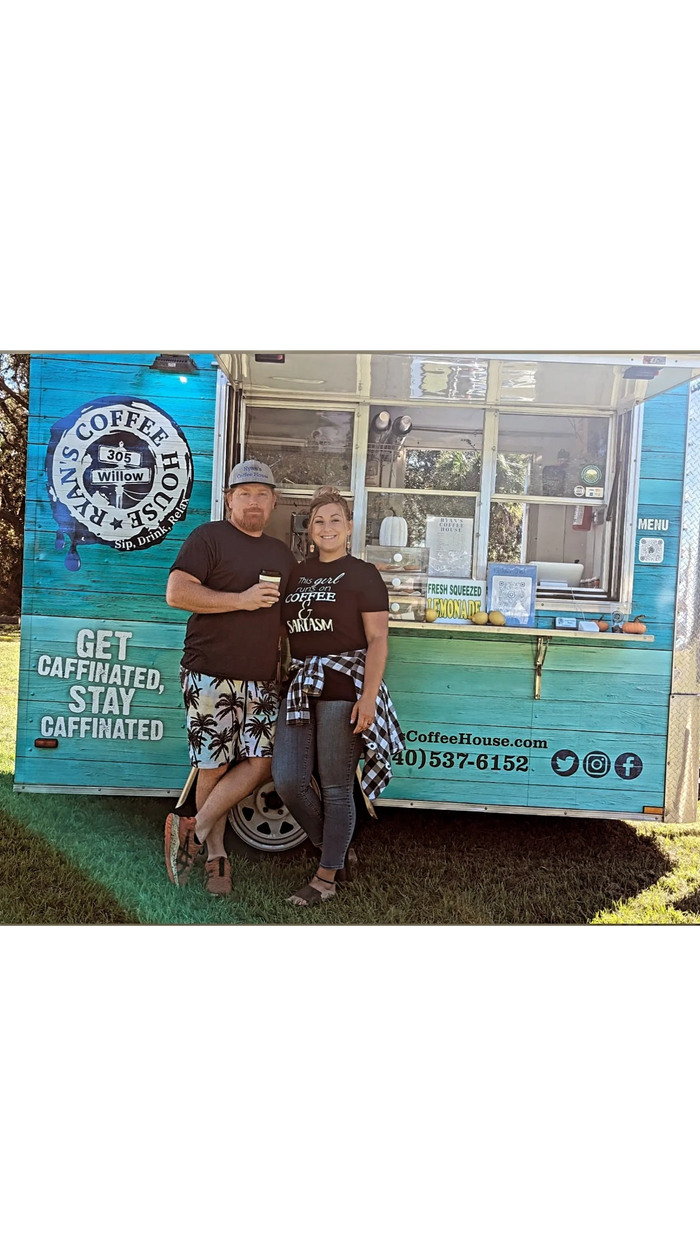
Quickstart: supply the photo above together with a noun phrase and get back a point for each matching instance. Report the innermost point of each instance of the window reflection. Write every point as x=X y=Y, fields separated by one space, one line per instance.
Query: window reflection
x=399 y=376
x=557 y=384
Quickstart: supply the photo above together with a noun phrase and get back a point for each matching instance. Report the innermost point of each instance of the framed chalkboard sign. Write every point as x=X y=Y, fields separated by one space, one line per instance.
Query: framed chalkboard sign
x=511 y=590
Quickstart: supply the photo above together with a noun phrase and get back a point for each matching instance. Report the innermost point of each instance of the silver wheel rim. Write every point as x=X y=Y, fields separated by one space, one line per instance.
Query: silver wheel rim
x=262 y=821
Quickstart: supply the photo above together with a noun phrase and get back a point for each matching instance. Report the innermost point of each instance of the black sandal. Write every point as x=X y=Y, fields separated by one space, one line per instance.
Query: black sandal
x=310 y=896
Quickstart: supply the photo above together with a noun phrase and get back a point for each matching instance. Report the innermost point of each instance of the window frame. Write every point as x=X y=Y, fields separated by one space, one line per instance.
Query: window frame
x=305 y=403
x=546 y=597
x=620 y=542
x=618 y=557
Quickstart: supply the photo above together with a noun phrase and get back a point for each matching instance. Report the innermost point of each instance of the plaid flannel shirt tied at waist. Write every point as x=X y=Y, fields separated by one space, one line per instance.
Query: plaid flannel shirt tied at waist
x=382 y=740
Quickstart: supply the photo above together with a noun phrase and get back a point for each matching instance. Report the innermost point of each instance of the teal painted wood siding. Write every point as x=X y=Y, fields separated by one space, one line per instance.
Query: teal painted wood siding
x=475 y=733
x=100 y=647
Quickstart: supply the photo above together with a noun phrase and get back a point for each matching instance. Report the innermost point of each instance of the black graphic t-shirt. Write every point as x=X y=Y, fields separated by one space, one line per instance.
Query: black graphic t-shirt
x=242 y=644
x=323 y=608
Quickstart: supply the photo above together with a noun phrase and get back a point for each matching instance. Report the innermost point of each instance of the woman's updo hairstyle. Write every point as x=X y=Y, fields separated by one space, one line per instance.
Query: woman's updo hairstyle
x=325 y=495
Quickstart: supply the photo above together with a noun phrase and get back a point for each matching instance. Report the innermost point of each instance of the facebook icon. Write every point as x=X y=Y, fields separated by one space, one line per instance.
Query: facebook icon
x=628 y=766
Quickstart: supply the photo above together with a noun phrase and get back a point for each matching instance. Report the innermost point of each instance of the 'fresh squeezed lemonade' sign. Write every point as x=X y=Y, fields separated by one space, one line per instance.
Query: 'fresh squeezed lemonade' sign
x=456 y=600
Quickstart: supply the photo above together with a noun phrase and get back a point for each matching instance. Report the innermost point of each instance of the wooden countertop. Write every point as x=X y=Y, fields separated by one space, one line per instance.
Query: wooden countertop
x=525 y=632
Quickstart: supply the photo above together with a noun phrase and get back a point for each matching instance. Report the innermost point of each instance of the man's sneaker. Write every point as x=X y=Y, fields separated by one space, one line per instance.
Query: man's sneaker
x=218 y=875
x=181 y=850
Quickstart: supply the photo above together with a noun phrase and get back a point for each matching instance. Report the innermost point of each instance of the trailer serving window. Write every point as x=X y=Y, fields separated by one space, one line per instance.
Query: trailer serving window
x=501 y=468
x=545 y=487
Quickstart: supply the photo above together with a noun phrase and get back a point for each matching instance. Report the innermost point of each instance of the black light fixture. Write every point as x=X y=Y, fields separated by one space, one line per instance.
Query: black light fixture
x=177 y=364
x=269 y=358
x=641 y=373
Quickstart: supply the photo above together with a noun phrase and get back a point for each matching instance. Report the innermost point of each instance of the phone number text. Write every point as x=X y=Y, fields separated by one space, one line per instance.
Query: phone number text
x=418 y=758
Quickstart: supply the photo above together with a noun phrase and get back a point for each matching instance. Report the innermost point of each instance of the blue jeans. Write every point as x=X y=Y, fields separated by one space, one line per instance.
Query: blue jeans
x=328 y=747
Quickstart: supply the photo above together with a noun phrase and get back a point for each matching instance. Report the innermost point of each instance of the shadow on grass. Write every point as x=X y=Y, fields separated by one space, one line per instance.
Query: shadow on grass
x=436 y=867
x=690 y=905
x=477 y=868
x=416 y=867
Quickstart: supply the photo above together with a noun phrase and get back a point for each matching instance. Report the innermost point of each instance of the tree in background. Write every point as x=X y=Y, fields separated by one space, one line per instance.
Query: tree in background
x=14 y=411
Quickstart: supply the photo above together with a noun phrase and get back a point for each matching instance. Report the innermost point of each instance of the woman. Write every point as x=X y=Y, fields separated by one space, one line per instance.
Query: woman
x=336 y=611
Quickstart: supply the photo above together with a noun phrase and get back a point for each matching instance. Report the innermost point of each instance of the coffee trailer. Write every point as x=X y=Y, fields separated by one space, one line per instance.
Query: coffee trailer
x=582 y=469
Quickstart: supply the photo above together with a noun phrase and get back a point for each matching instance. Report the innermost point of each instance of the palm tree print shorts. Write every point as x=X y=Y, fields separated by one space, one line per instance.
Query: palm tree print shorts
x=228 y=720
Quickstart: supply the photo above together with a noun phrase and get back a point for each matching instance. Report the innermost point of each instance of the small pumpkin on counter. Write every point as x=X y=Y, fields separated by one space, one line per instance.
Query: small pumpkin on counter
x=636 y=626
x=602 y=624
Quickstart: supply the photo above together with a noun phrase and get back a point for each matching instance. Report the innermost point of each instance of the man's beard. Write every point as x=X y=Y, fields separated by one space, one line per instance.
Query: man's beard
x=251 y=522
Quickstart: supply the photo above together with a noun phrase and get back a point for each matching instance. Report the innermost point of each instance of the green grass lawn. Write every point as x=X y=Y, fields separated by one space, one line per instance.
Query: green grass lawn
x=94 y=860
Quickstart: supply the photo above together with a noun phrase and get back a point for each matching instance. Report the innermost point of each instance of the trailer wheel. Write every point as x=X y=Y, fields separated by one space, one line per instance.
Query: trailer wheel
x=262 y=825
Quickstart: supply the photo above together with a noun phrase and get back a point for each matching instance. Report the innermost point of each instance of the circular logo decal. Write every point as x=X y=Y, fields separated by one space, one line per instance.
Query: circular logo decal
x=565 y=762
x=596 y=764
x=628 y=766
x=591 y=475
x=119 y=472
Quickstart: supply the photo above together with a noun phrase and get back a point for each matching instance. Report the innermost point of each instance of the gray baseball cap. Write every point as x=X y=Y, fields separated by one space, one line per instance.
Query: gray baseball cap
x=251 y=472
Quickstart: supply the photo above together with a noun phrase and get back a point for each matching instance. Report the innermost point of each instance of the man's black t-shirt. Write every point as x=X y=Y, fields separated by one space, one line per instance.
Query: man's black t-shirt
x=323 y=608
x=242 y=644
